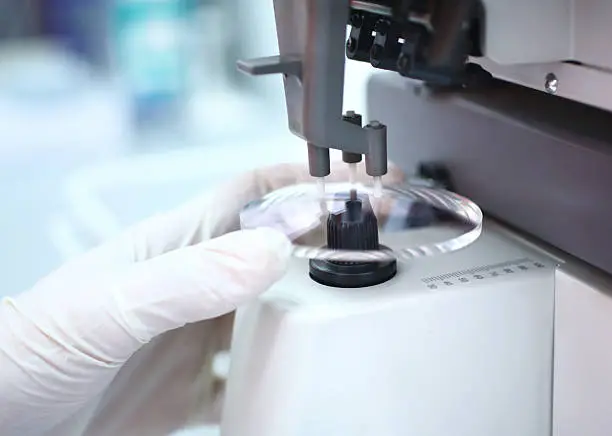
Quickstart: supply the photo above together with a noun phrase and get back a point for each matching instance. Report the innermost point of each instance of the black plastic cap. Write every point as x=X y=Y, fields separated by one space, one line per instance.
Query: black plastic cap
x=355 y=228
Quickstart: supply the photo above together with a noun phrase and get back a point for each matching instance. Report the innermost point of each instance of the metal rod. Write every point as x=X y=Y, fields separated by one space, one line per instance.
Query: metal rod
x=371 y=7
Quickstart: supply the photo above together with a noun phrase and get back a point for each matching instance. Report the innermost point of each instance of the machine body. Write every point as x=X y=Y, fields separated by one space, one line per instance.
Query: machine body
x=509 y=336
x=461 y=344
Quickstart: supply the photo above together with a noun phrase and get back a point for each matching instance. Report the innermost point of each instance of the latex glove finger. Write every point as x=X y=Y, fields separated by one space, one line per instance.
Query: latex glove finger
x=61 y=346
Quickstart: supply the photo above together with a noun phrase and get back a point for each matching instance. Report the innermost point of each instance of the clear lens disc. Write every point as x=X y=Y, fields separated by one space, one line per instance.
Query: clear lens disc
x=412 y=221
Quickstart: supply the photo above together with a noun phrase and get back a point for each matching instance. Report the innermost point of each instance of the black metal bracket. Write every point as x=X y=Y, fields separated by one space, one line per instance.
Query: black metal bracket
x=428 y=41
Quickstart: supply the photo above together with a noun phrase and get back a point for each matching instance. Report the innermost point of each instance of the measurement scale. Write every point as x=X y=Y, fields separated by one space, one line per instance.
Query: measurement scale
x=485 y=272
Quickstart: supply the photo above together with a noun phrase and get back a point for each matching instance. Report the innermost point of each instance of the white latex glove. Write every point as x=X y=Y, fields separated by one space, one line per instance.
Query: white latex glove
x=120 y=341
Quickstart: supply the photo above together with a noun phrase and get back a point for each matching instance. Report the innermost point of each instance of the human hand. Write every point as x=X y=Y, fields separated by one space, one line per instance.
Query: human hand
x=121 y=340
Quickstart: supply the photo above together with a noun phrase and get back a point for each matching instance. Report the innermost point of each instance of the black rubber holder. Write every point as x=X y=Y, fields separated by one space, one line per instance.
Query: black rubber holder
x=351 y=274
x=355 y=228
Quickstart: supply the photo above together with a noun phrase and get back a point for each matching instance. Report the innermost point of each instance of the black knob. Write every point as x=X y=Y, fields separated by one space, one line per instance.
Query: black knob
x=353 y=228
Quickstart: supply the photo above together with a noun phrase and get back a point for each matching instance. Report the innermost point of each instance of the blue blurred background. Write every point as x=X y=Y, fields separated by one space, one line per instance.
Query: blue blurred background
x=111 y=110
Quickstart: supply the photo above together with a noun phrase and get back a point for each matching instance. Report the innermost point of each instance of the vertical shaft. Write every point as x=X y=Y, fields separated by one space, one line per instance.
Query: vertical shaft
x=318 y=161
x=353 y=118
x=376 y=158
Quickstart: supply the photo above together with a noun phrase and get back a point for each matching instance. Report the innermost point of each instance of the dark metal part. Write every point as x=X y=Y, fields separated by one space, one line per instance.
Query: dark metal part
x=537 y=162
x=386 y=47
x=348 y=157
x=436 y=172
x=319 y=163
x=376 y=157
x=372 y=7
x=360 y=39
x=353 y=118
x=425 y=40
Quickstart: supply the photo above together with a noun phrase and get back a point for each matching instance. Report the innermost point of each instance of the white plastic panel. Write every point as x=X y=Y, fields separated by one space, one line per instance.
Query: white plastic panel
x=528 y=31
x=592 y=32
x=583 y=354
x=526 y=40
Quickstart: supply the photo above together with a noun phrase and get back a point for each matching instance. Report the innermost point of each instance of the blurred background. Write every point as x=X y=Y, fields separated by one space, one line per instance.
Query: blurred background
x=112 y=110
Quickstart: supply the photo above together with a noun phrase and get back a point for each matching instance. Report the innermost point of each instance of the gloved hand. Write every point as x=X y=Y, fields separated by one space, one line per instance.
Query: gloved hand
x=120 y=341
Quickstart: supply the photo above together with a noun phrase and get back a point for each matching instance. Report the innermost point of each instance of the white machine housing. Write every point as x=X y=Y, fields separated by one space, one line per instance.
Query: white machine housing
x=557 y=46
x=457 y=344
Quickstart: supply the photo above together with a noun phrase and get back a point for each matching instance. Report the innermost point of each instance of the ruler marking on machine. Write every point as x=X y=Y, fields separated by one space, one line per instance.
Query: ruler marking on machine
x=483 y=272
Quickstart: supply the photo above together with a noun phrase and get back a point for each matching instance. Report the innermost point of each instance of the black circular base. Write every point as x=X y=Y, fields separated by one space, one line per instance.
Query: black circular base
x=351 y=274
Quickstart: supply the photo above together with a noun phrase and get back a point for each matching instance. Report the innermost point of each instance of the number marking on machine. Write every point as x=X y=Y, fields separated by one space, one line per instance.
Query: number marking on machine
x=485 y=272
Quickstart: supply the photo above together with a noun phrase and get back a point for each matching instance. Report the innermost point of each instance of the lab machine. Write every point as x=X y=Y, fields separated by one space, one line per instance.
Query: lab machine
x=494 y=319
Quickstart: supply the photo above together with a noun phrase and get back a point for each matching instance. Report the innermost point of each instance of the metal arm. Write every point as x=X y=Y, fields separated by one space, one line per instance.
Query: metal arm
x=426 y=40
x=311 y=39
